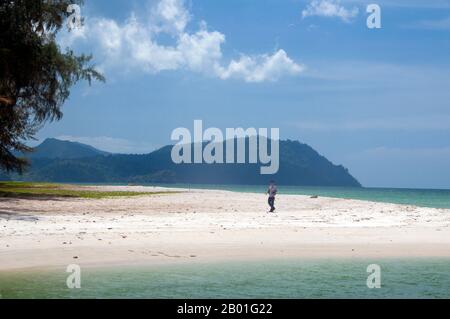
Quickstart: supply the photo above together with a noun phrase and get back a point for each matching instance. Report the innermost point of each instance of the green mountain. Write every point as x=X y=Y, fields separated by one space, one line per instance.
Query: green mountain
x=61 y=161
x=53 y=148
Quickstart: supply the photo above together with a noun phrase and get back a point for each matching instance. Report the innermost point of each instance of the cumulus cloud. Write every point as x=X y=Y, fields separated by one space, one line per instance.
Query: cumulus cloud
x=260 y=68
x=170 y=16
x=329 y=8
x=134 y=44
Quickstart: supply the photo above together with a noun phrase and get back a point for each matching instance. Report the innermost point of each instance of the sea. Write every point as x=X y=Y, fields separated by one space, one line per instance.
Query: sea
x=322 y=278
x=435 y=198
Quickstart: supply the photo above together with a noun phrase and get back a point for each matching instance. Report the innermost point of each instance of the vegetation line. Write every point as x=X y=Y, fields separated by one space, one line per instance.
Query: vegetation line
x=49 y=190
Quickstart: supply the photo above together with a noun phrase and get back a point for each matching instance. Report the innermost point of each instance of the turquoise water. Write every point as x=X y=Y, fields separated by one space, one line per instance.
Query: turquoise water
x=437 y=198
x=400 y=278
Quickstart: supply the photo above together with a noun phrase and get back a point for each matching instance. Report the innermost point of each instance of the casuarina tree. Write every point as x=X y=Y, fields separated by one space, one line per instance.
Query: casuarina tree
x=36 y=74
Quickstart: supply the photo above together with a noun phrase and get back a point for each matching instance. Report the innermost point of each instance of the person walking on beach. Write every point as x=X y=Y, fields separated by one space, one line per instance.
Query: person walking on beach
x=272 y=191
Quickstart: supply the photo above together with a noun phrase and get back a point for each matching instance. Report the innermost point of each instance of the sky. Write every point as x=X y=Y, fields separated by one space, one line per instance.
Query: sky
x=374 y=100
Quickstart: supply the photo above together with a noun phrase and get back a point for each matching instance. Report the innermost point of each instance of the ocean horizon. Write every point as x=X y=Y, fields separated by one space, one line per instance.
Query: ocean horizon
x=426 y=197
x=432 y=198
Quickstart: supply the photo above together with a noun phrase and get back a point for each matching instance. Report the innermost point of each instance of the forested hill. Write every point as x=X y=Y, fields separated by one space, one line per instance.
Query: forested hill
x=62 y=161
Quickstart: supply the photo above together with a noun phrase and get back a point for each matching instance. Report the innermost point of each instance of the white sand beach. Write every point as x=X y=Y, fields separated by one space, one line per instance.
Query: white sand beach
x=210 y=225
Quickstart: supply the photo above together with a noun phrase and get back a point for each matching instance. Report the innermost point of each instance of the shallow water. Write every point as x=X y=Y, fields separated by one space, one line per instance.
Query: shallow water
x=327 y=278
x=436 y=198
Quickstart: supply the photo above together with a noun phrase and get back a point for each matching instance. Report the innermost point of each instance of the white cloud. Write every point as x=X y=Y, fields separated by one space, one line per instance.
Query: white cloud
x=67 y=38
x=261 y=68
x=329 y=8
x=111 y=144
x=170 y=16
x=201 y=51
x=135 y=45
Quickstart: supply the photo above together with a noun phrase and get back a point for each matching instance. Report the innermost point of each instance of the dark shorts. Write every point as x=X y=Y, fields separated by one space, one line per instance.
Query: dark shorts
x=271 y=201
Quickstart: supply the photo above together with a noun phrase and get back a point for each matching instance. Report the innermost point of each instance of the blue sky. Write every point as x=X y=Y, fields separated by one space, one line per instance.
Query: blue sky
x=376 y=101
